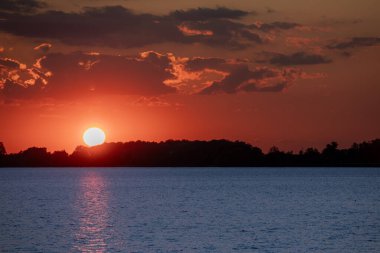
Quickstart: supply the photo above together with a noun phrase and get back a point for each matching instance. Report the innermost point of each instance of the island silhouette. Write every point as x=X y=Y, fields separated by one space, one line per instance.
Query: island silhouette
x=184 y=153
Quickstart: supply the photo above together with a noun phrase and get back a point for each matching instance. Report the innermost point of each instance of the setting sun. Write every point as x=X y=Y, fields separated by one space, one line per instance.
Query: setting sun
x=94 y=136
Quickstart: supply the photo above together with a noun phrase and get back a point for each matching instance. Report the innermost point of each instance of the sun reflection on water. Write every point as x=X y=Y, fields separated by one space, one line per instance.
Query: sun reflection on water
x=92 y=204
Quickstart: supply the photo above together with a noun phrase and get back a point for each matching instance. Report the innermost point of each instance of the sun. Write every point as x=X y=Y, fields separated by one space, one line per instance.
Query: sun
x=94 y=136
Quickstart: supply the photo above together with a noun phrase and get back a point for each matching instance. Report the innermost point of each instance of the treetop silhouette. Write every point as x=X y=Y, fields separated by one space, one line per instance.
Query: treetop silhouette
x=184 y=153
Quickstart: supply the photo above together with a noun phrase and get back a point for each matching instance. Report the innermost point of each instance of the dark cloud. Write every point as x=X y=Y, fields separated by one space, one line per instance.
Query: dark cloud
x=242 y=79
x=267 y=27
x=232 y=83
x=299 y=58
x=356 y=42
x=118 y=27
x=201 y=14
x=225 y=33
x=9 y=63
x=234 y=75
x=24 y=6
x=108 y=26
x=198 y=63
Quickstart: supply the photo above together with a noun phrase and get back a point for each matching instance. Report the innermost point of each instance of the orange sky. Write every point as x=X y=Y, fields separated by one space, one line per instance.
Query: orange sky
x=292 y=75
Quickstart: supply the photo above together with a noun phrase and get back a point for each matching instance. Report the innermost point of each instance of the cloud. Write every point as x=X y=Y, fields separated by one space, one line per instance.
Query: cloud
x=44 y=47
x=217 y=75
x=201 y=14
x=118 y=27
x=191 y=32
x=79 y=75
x=199 y=63
x=225 y=33
x=106 y=26
x=11 y=63
x=21 y=6
x=209 y=76
x=260 y=79
x=299 y=58
x=16 y=79
x=152 y=102
x=14 y=72
x=356 y=42
x=13 y=89
x=150 y=74
x=301 y=41
x=111 y=26
x=267 y=27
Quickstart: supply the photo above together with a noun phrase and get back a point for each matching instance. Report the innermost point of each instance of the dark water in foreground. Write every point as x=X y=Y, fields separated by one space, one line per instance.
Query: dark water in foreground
x=190 y=210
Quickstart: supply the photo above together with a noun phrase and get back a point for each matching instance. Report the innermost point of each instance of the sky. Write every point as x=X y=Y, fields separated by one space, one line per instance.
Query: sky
x=292 y=74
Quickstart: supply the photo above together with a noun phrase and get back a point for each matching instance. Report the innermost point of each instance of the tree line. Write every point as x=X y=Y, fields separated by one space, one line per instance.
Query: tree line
x=184 y=153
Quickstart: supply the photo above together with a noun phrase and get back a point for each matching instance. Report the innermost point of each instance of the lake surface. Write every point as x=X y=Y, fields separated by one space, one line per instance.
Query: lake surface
x=190 y=210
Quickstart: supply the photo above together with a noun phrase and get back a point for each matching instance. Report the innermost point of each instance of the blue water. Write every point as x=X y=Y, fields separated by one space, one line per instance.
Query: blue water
x=190 y=210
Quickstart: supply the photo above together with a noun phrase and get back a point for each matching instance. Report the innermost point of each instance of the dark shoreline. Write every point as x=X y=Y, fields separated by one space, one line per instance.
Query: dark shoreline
x=183 y=153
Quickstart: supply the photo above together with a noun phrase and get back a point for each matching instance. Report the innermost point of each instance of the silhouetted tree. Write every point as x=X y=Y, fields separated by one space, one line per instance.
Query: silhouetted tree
x=195 y=153
x=275 y=157
x=310 y=156
x=59 y=158
x=2 y=149
x=311 y=152
x=34 y=156
x=274 y=150
x=330 y=149
x=331 y=154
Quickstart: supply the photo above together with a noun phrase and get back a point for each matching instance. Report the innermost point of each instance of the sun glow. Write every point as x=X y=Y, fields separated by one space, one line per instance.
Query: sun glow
x=94 y=136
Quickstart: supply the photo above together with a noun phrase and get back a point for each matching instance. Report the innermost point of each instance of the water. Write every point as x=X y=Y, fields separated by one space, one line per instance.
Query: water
x=190 y=210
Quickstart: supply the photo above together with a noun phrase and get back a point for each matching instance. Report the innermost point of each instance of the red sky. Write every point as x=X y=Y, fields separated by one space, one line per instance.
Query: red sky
x=293 y=75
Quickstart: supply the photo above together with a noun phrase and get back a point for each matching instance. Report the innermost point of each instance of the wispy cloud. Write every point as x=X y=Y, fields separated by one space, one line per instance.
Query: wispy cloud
x=356 y=42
